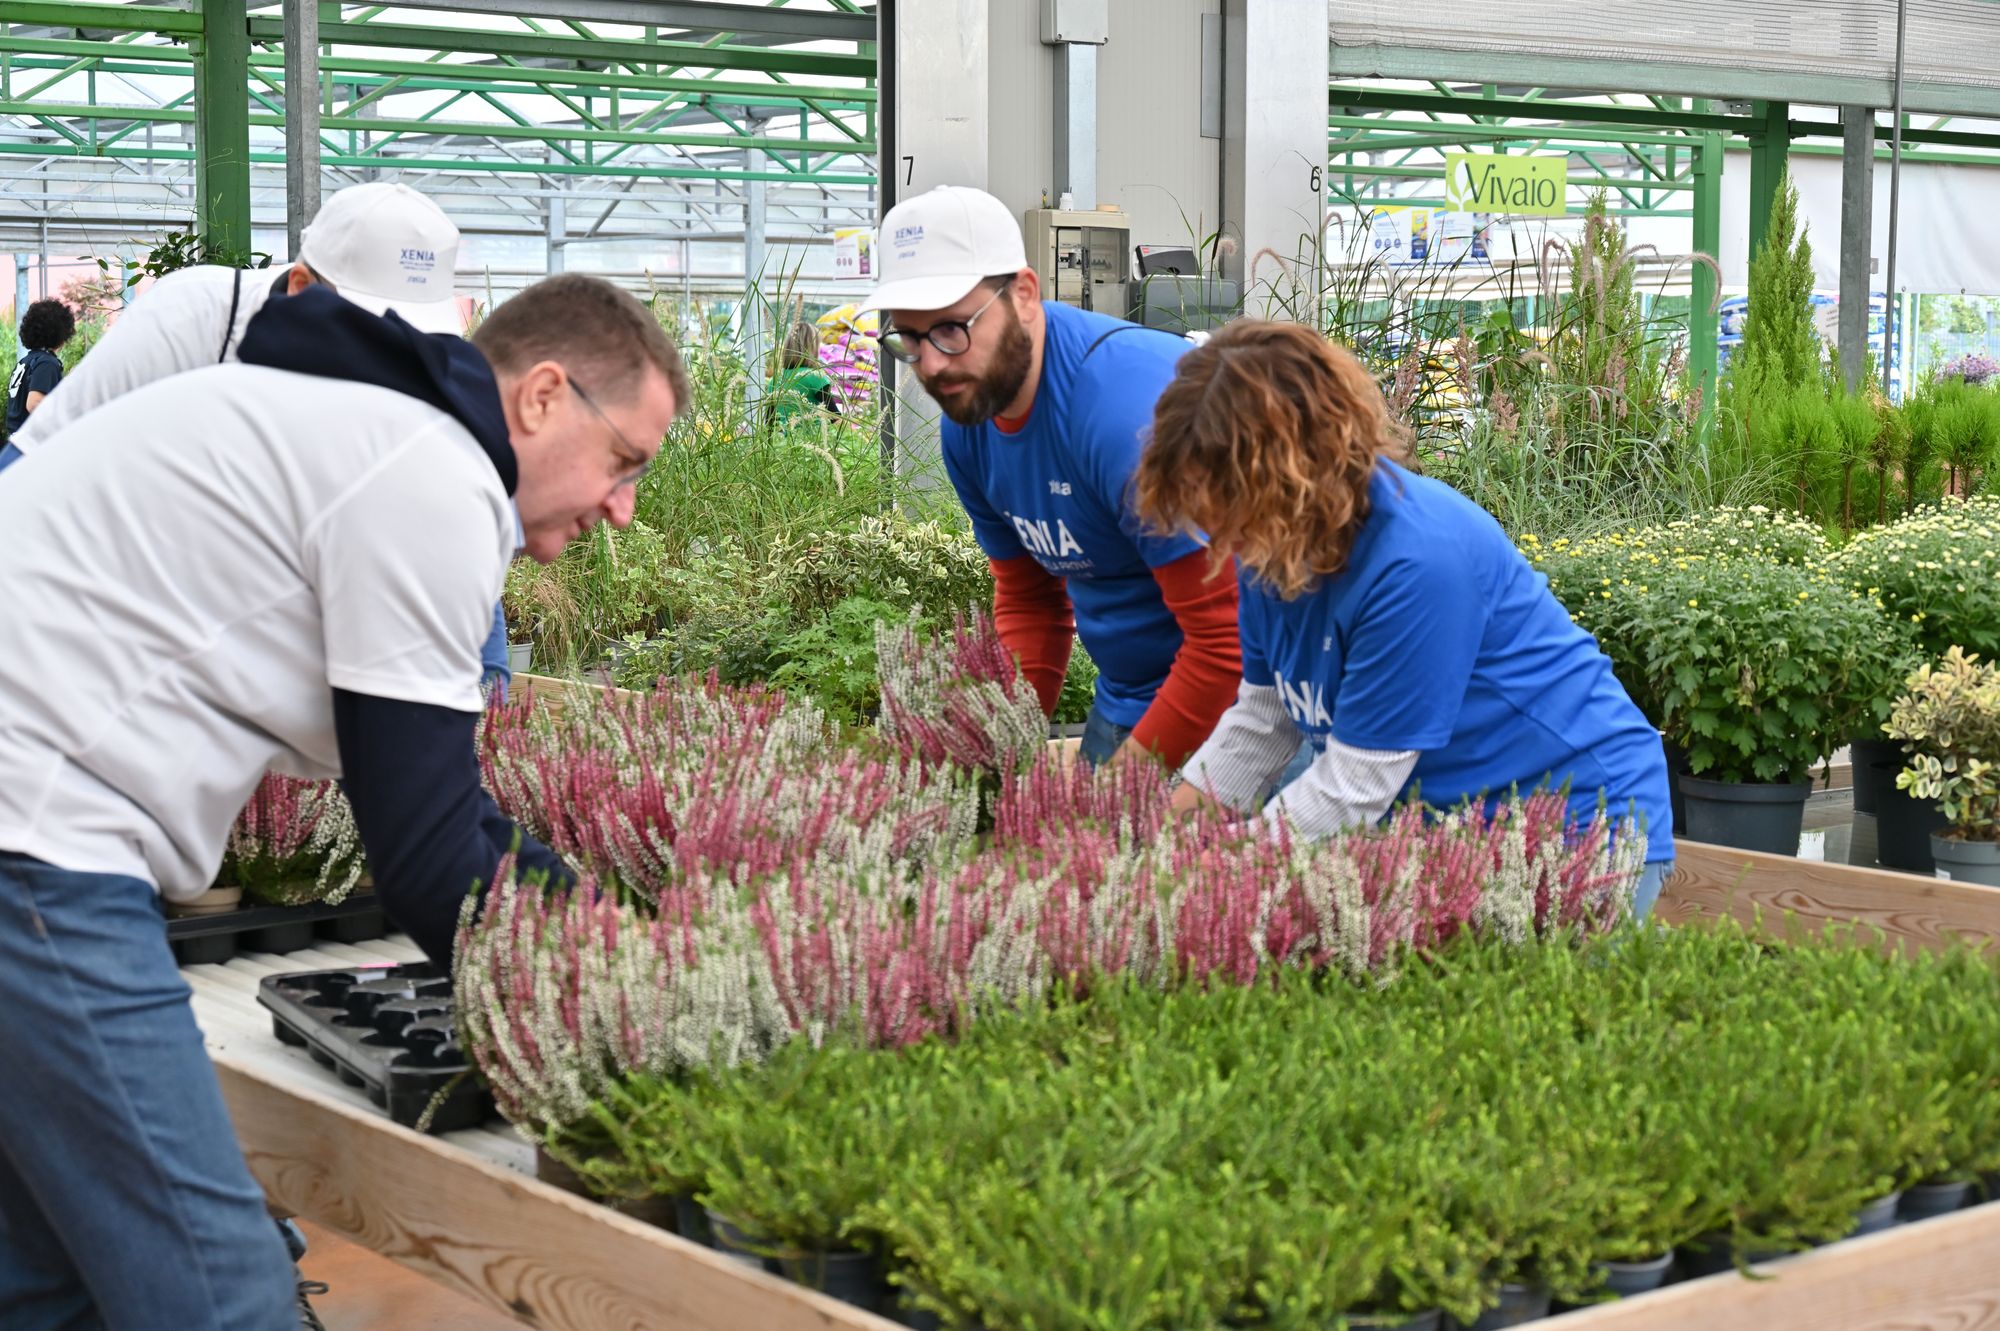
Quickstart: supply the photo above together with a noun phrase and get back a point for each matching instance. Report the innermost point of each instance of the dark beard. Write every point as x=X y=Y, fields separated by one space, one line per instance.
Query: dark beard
x=1003 y=380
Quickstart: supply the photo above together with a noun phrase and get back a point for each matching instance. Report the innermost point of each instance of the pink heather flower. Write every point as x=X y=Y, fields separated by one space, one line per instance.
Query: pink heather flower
x=294 y=842
x=752 y=879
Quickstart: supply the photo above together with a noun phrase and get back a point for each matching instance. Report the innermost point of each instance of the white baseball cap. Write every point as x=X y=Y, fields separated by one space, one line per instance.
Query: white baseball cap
x=386 y=247
x=935 y=248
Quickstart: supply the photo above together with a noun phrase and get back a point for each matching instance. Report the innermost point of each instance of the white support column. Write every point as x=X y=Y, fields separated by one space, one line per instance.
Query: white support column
x=302 y=96
x=1076 y=28
x=555 y=226
x=933 y=86
x=1274 y=101
x=1857 y=216
x=372 y=111
x=940 y=96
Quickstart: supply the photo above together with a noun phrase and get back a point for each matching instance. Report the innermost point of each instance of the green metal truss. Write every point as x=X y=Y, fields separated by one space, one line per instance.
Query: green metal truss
x=633 y=118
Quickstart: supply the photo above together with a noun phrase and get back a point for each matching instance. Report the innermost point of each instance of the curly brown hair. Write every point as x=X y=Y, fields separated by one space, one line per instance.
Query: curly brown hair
x=1265 y=441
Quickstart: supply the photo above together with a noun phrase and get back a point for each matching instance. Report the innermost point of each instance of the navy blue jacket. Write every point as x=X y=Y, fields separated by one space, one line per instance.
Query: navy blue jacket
x=431 y=831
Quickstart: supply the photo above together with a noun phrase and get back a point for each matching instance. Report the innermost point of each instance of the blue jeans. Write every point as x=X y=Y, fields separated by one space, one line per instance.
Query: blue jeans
x=493 y=668
x=1102 y=736
x=1648 y=890
x=9 y=455
x=124 y=1199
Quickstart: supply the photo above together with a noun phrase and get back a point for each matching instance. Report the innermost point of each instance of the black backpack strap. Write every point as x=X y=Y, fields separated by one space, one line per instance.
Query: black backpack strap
x=229 y=329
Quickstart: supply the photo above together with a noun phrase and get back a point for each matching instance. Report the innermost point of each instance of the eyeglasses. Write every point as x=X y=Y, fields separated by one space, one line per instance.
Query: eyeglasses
x=632 y=453
x=952 y=338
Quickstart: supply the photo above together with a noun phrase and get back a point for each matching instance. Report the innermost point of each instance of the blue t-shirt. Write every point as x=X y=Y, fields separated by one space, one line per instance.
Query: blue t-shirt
x=1057 y=490
x=37 y=371
x=1438 y=636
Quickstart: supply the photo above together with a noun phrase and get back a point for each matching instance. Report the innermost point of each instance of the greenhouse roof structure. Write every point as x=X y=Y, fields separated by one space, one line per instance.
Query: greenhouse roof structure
x=575 y=120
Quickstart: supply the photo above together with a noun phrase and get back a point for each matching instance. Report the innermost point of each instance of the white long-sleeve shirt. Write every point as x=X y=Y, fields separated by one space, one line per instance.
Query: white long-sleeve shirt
x=1249 y=748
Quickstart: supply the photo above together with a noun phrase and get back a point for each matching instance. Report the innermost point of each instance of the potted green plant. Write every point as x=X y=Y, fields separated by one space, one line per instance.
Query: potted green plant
x=1950 y=718
x=1763 y=669
x=1936 y=571
x=1623 y=585
x=295 y=843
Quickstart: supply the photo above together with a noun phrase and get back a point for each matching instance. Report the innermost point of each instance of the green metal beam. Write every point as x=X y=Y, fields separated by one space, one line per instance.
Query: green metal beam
x=1366 y=201
x=1385 y=99
x=423 y=125
x=1575 y=181
x=263 y=65
x=520 y=119
x=564 y=133
x=1769 y=145
x=222 y=128
x=1481 y=133
x=737 y=92
x=678 y=54
x=113 y=17
x=1704 y=320
x=462 y=166
x=1731 y=81
x=1882 y=155
x=361 y=124
x=136 y=125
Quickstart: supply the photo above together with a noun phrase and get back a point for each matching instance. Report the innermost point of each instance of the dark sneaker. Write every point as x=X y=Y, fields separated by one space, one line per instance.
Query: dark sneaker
x=308 y=1319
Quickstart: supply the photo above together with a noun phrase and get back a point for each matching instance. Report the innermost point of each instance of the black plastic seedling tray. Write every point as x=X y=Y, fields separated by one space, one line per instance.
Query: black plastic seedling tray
x=200 y=940
x=387 y=1029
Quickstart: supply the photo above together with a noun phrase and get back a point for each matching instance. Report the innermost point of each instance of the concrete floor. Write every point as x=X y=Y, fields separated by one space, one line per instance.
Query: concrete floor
x=368 y=1292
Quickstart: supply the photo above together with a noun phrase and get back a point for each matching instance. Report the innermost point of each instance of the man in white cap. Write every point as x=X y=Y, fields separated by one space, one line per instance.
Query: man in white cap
x=373 y=243
x=1046 y=408
x=376 y=244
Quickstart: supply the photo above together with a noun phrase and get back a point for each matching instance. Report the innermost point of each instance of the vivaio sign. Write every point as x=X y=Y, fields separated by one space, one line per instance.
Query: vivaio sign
x=1492 y=183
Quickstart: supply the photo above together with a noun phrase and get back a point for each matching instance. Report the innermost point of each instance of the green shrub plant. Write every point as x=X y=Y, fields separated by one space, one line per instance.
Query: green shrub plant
x=1308 y=1150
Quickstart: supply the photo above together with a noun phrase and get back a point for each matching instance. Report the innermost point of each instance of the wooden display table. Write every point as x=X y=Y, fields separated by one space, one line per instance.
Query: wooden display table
x=464 y=1208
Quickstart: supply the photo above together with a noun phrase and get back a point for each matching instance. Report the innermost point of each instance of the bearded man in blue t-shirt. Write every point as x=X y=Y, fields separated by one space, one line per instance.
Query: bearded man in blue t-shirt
x=1045 y=411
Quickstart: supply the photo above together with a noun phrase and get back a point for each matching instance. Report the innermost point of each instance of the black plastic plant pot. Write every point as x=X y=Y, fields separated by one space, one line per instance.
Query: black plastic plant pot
x=213 y=937
x=1926 y=1200
x=385 y=1029
x=557 y=1174
x=1877 y=1216
x=1711 y=1255
x=1872 y=780
x=1518 y=1305
x=1765 y=816
x=655 y=1211
x=1423 y=1321
x=734 y=1243
x=691 y=1218
x=1626 y=1279
x=851 y=1277
x=1903 y=826
x=206 y=950
x=365 y=927
x=1677 y=762
x=279 y=940
x=917 y=1319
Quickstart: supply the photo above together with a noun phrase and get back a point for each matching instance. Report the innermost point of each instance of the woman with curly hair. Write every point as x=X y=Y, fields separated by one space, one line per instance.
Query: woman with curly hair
x=46 y=326
x=1385 y=616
